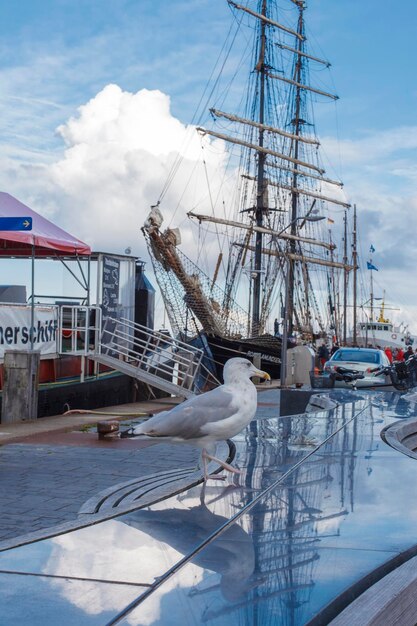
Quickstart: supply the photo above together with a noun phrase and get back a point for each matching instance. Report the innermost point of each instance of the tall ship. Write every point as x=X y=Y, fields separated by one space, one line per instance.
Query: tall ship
x=277 y=275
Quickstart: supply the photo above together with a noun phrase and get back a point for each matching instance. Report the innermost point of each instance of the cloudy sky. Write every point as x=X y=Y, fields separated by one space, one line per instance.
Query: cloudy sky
x=96 y=97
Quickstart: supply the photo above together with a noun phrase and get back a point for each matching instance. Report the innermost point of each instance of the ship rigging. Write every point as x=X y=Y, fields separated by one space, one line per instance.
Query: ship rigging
x=283 y=188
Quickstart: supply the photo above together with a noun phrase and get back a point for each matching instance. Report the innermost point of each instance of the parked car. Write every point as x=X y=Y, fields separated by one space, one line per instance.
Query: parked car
x=364 y=360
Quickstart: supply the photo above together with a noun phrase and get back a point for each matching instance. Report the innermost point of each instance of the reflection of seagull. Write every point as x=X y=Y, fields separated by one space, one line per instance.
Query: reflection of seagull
x=209 y=417
x=231 y=555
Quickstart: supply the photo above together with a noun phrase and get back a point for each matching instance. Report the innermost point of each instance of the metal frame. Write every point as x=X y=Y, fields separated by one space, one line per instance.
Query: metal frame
x=79 y=322
x=149 y=355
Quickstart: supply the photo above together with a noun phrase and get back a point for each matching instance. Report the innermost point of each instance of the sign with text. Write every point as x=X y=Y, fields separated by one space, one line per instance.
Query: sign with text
x=15 y=223
x=110 y=297
x=16 y=330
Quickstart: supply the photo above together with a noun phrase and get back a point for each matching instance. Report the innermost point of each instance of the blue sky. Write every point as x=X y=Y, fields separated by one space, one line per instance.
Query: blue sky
x=58 y=55
x=154 y=45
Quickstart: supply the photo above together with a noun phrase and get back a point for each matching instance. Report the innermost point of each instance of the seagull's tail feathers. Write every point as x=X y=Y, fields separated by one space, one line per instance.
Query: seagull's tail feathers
x=132 y=432
x=144 y=429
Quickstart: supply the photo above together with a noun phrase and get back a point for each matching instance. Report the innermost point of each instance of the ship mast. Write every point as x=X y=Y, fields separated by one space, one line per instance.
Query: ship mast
x=276 y=160
x=261 y=186
x=371 y=318
x=355 y=270
x=345 y=281
x=297 y=122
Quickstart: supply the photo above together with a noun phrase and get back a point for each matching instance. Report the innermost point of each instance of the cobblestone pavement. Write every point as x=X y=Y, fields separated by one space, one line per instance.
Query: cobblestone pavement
x=43 y=485
x=51 y=467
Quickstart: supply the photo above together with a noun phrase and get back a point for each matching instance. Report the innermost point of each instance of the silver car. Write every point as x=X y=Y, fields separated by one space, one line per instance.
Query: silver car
x=364 y=360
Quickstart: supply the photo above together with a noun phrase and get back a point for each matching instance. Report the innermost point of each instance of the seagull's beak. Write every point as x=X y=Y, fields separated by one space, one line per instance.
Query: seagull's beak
x=262 y=374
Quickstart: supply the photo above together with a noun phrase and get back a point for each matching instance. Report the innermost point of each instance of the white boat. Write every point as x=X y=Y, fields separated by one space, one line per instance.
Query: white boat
x=378 y=332
x=381 y=332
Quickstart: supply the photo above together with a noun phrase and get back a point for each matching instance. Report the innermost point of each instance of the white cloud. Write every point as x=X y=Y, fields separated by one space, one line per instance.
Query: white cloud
x=120 y=149
x=380 y=171
x=372 y=146
x=116 y=153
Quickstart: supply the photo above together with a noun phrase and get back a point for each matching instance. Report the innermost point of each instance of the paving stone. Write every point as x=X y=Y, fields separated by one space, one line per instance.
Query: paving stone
x=43 y=485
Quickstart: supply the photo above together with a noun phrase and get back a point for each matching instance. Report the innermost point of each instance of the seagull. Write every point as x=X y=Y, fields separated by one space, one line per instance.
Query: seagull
x=212 y=416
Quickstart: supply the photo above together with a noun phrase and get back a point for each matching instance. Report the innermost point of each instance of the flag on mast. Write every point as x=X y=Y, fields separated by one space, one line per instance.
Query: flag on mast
x=371 y=266
x=371 y=249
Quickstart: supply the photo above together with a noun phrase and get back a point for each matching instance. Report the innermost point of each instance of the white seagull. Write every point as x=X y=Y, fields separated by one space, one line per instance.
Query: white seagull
x=212 y=416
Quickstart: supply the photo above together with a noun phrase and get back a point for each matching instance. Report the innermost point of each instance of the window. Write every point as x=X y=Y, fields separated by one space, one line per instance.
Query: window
x=358 y=356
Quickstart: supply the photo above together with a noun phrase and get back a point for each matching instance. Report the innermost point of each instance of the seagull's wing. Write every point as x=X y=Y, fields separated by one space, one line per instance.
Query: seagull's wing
x=187 y=420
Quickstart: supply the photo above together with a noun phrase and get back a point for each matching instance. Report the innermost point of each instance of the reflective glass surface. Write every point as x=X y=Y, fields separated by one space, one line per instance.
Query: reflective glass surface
x=41 y=601
x=322 y=501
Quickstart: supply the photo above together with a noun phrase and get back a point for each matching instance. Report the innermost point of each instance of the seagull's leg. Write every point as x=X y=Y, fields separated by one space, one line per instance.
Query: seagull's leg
x=226 y=466
x=204 y=459
x=205 y=456
x=203 y=493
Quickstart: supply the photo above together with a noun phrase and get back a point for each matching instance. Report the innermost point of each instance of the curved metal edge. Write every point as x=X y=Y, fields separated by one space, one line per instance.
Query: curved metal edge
x=392 y=600
x=394 y=434
x=331 y=615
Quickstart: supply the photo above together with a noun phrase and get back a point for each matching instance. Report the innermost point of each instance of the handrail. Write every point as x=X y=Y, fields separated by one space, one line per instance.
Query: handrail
x=128 y=346
x=150 y=351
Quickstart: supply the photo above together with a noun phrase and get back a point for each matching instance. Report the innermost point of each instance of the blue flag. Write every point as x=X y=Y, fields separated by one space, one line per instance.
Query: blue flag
x=370 y=266
x=371 y=249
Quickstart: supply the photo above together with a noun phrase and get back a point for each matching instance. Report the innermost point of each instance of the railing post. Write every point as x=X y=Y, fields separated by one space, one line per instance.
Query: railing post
x=59 y=340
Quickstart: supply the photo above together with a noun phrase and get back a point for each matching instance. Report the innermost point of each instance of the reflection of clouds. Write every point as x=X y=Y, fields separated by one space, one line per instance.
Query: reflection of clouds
x=380 y=519
x=231 y=555
x=94 y=598
x=150 y=611
x=109 y=551
x=343 y=566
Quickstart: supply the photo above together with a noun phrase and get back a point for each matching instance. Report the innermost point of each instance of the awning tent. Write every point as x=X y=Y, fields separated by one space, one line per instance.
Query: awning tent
x=44 y=240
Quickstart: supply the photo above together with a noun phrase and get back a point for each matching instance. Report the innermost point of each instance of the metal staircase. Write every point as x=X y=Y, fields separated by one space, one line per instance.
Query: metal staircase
x=152 y=357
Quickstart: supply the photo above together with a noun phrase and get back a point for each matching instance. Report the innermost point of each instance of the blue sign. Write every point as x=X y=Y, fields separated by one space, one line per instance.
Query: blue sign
x=15 y=223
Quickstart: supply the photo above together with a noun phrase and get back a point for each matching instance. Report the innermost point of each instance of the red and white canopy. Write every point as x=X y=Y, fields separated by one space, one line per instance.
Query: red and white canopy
x=48 y=239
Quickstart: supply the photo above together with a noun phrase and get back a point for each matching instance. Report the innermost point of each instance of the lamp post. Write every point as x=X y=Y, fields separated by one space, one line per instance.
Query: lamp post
x=283 y=375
